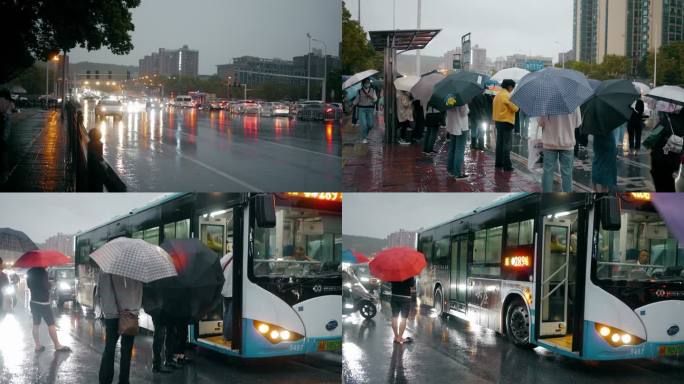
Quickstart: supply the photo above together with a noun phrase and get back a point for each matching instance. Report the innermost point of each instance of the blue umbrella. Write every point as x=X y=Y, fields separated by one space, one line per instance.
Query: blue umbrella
x=552 y=92
x=351 y=257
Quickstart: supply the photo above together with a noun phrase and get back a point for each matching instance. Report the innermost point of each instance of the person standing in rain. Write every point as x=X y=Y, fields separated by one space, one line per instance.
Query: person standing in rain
x=405 y=117
x=480 y=112
x=152 y=302
x=558 y=139
x=401 y=306
x=39 y=285
x=604 y=163
x=365 y=106
x=503 y=115
x=117 y=294
x=665 y=157
x=227 y=293
x=635 y=126
x=433 y=120
x=457 y=127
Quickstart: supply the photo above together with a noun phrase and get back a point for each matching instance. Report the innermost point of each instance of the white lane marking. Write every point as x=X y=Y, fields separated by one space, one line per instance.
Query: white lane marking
x=234 y=179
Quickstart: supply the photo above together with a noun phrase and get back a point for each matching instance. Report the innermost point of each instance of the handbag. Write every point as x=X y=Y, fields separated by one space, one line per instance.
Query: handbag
x=653 y=137
x=128 y=320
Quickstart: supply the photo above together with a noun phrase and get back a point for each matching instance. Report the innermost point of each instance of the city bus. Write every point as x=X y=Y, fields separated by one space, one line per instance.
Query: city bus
x=589 y=276
x=281 y=305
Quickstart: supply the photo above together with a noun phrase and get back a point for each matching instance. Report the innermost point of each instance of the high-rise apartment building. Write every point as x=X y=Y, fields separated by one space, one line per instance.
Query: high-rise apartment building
x=170 y=62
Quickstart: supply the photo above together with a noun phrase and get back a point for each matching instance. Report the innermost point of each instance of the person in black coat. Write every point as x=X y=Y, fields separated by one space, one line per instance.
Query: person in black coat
x=419 y=120
x=480 y=113
x=433 y=120
x=635 y=126
x=664 y=166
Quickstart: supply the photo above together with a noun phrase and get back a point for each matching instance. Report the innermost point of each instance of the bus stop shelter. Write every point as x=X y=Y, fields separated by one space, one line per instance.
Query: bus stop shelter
x=392 y=43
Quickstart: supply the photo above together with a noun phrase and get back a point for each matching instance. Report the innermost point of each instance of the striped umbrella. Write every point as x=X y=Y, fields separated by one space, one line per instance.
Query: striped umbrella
x=552 y=92
x=135 y=259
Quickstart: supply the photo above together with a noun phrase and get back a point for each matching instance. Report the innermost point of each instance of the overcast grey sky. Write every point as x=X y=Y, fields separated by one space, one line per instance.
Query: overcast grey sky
x=41 y=215
x=379 y=214
x=224 y=29
x=502 y=27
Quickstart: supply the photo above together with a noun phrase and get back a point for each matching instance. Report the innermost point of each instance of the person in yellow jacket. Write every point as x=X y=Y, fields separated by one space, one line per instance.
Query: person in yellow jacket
x=503 y=112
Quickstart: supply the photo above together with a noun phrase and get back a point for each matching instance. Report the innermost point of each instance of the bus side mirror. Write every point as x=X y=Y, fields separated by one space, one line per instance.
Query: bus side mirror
x=610 y=213
x=265 y=211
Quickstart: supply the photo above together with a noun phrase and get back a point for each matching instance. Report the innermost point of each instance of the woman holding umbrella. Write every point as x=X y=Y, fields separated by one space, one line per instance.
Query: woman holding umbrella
x=39 y=285
x=365 y=106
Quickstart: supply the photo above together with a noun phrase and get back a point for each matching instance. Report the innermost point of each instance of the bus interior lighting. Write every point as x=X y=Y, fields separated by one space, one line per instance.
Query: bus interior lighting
x=216 y=213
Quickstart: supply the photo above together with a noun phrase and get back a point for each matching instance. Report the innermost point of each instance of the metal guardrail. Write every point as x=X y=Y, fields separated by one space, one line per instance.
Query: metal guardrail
x=91 y=170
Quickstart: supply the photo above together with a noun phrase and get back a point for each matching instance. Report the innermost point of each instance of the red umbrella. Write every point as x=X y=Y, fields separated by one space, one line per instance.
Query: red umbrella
x=397 y=264
x=41 y=258
x=360 y=257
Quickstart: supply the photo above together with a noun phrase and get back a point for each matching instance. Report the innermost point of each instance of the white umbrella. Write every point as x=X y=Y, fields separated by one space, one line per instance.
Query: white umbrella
x=641 y=87
x=135 y=259
x=357 y=78
x=406 y=83
x=668 y=93
x=514 y=74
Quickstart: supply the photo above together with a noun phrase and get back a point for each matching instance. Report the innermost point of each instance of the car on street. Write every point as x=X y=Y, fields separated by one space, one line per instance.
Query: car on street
x=318 y=111
x=249 y=108
x=368 y=281
x=109 y=107
x=275 y=109
x=184 y=101
x=62 y=284
x=217 y=104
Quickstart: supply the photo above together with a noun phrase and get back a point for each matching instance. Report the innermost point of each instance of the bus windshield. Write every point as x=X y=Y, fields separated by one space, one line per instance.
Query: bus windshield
x=304 y=243
x=643 y=250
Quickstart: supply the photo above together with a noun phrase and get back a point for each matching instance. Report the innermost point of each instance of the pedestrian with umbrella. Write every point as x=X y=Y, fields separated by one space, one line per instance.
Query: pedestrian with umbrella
x=125 y=265
x=39 y=286
x=558 y=140
x=433 y=118
x=405 y=117
x=399 y=266
x=635 y=126
x=503 y=114
x=665 y=141
x=601 y=115
x=457 y=126
x=480 y=115
x=365 y=106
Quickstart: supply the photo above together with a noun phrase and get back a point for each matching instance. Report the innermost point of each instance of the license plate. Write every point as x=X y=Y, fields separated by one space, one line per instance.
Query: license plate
x=329 y=345
x=671 y=350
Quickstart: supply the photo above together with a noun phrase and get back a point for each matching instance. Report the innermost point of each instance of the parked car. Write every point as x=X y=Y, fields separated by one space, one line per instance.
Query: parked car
x=62 y=284
x=311 y=110
x=109 y=107
x=275 y=109
x=368 y=281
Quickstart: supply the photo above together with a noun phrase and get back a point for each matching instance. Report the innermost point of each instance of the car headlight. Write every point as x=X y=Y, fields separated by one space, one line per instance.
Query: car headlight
x=274 y=333
x=64 y=286
x=616 y=337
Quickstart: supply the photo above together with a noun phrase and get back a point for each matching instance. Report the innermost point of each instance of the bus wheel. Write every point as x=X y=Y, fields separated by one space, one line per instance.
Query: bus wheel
x=367 y=309
x=439 y=302
x=518 y=324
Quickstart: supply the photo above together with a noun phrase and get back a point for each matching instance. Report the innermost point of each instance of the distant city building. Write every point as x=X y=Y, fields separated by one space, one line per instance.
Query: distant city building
x=170 y=62
x=564 y=57
x=60 y=242
x=450 y=56
x=478 y=59
x=402 y=238
x=630 y=28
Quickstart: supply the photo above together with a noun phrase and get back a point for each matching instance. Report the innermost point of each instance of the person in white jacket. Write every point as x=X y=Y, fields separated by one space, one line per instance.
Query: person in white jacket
x=458 y=128
x=558 y=138
x=227 y=293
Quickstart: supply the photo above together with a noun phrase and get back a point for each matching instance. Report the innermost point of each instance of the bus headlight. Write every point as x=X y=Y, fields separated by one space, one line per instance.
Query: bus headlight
x=274 y=333
x=64 y=286
x=617 y=337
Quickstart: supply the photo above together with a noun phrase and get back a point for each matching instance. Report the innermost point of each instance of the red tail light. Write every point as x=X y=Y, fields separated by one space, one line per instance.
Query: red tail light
x=328 y=110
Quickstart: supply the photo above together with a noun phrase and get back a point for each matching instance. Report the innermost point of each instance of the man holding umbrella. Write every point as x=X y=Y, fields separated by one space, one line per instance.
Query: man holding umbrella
x=504 y=118
x=365 y=106
x=558 y=138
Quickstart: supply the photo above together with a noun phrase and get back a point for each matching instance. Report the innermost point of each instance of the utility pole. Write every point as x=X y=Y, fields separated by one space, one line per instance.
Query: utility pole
x=325 y=67
x=308 y=73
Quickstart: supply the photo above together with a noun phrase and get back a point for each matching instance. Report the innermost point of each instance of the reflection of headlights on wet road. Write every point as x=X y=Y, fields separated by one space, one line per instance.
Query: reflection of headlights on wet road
x=64 y=286
x=8 y=290
x=274 y=333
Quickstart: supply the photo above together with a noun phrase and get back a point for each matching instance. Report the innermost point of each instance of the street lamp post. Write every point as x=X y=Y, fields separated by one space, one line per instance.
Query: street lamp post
x=325 y=68
x=47 y=76
x=308 y=73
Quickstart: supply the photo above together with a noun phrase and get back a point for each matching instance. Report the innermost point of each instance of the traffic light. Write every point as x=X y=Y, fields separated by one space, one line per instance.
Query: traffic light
x=97 y=75
x=88 y=74
x=109 y=75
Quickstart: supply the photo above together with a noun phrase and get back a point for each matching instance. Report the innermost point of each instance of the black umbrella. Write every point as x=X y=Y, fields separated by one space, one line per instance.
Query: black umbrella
x=609 y=108
x=15 y=241
x=197 y=288
x=457 y=89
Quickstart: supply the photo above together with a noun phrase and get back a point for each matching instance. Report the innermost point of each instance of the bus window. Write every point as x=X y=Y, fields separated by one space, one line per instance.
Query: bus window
x=442 y=252
x=487 y=252
x=493 y=249
x=302 y=244
x=512 y=232
x=479 y=247
x=642 y=250
x=137 y=235
x=151 y=235
x=178 y=230
x=520 y=233
x=426 y=248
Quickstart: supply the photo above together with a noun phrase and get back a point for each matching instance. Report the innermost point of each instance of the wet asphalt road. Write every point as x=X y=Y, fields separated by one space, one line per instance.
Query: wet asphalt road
x=19 y=364
x=195 y=150
x=451 y=351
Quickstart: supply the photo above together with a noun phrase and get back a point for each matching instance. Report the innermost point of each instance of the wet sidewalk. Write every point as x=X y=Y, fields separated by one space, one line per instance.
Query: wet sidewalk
x=36 y=158
x=377 y=166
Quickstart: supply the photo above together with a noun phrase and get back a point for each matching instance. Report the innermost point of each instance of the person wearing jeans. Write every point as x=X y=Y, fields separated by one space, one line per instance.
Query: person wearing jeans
x=457 y=126
x=433 y=120
x=107 y=365
x=503 y=114
x=365 y=106
x=558 y=139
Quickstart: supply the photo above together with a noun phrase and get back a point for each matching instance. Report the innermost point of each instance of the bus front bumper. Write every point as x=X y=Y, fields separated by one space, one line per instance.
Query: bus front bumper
x=596 y=348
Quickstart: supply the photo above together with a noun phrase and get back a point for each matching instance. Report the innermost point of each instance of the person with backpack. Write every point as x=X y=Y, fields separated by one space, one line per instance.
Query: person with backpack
x=365 y=106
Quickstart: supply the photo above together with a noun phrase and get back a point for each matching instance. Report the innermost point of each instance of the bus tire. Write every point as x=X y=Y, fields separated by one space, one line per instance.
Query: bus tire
x=438 y=301
x=518 y=324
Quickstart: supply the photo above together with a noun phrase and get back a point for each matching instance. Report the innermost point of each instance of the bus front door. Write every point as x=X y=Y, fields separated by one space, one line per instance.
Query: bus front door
x=457 y=286
x=554 y=278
